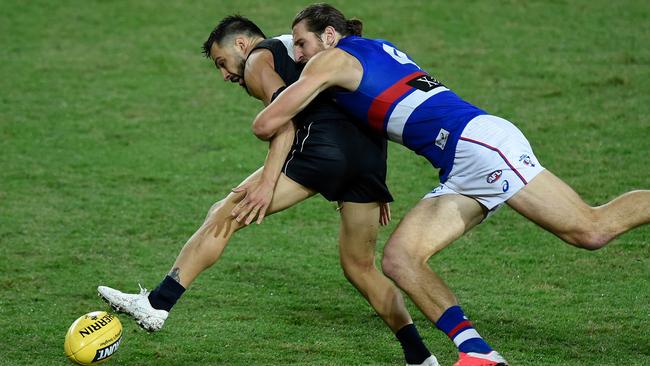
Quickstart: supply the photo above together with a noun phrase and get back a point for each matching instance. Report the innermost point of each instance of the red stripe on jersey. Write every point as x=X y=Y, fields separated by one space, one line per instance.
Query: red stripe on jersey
x=463 y=324
x=382 y=103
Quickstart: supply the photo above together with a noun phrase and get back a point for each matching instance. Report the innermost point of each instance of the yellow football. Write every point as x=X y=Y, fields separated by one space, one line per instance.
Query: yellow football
x=93 y=338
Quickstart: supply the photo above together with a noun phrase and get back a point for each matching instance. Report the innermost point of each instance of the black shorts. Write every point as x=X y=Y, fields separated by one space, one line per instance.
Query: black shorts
x=340 y=161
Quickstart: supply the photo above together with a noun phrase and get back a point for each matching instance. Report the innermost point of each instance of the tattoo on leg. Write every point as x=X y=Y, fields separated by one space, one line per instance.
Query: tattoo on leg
x=175 y=274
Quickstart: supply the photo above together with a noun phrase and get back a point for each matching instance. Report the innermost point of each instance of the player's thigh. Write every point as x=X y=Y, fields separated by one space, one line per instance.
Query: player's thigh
x=550 y=203
x=219 y=220
x=433 y=224
x=359 y=226
x=288 y=193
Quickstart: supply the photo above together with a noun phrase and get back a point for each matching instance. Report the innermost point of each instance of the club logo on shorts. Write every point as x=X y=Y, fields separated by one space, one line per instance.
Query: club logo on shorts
x=494 y=176
x=505 y=186
x=526 y=160
x=442 y=138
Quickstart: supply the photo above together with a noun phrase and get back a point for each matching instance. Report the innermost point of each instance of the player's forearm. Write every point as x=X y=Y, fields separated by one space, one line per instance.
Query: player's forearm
x=268 y=129
x=279 y=148
x=290 y=102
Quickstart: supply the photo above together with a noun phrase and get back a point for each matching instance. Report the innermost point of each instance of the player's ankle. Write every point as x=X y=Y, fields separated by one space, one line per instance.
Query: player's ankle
x=165 y=296
x=415 y=352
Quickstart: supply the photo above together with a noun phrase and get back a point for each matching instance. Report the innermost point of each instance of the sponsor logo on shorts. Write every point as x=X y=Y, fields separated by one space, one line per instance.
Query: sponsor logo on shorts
x=436 y=190
x=505 y=186
x=526 y=160
x=442 y=138
x=494 y=176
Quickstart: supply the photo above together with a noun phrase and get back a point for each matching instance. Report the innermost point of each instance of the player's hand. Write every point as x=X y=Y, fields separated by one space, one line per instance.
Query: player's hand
x=258 y=199
x=384 y=213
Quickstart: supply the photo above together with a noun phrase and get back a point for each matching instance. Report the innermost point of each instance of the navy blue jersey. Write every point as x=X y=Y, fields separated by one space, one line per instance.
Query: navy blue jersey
x=399 y=100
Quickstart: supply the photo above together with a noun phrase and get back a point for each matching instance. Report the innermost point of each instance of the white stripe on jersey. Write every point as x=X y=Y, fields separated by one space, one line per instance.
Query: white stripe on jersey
x=287 y=40
x=404 y=109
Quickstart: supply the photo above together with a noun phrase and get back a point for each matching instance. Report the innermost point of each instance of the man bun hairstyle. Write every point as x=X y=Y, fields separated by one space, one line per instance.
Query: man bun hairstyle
x=355 y=27
x=319 y=16
x=230 y=26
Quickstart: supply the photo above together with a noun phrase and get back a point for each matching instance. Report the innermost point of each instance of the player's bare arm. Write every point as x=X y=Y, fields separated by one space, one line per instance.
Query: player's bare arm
x=331 y=68
x=261 y=78
x=262 y=81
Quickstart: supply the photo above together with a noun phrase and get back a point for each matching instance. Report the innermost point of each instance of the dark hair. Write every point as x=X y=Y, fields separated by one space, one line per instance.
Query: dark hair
x=319 y=16
x=231 y=25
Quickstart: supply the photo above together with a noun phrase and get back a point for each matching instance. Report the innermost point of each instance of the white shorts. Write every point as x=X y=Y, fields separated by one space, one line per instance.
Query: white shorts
x=493 y=161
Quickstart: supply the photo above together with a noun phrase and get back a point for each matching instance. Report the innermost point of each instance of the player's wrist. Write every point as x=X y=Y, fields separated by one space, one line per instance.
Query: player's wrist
x=268 y=181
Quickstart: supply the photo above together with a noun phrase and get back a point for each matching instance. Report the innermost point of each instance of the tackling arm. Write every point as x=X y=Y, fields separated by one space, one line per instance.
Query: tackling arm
x=327 y=69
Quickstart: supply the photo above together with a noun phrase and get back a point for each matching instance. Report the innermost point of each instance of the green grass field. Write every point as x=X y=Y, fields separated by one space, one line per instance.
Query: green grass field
x=116 y=137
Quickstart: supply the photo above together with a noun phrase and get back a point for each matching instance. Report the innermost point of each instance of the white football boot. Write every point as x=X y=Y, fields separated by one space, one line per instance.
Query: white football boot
x=431 y=361
x=135 y=305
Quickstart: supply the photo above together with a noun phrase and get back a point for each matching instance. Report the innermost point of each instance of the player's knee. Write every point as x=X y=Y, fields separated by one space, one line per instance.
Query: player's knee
x=219 y=217
x=216 y=212
x=588 y=233
x=396 y=261
x=215 y=207
x=354 y=266
x=588 y=239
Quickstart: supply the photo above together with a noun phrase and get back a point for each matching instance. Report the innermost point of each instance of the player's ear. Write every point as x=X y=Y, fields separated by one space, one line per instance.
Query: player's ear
x=240 y=43
x=329 y=35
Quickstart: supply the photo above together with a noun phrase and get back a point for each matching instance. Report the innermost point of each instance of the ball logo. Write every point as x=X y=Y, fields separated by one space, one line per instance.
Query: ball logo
x=107 y=351
x=105 y=320
x=494 y=176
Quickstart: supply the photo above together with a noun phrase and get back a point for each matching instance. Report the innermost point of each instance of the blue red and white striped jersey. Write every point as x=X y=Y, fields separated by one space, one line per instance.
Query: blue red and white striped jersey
x=404 y=103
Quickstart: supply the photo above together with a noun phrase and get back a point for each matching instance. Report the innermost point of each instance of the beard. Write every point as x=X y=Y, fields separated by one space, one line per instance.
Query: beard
x=239 y=77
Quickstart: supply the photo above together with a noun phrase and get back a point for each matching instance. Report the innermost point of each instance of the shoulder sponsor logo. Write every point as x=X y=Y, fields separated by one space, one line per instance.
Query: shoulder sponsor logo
x=442 y=138
x=425 y=83
x=494 y=176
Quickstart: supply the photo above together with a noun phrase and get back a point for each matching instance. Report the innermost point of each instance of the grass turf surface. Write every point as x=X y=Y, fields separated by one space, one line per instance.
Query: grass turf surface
x=117 y=137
